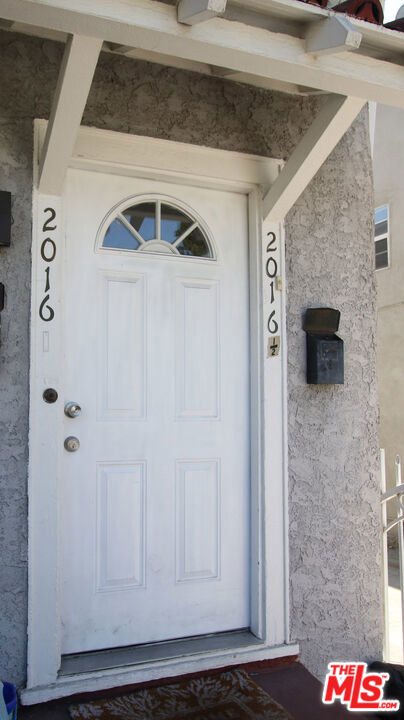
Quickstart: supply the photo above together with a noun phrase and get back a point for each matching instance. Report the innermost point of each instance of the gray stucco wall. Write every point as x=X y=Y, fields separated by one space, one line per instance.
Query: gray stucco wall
x=334 y=532
x=333 y=449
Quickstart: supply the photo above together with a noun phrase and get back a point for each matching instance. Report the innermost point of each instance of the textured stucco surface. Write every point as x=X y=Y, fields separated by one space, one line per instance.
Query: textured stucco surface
x=333 y=447
x=334 y=534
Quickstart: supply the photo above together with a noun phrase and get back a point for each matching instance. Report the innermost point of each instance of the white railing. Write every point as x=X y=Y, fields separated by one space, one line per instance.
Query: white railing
x=396 y=493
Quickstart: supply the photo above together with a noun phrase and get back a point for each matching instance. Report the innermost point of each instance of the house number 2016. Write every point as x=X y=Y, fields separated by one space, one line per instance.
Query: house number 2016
x=271 y=272
x=48 y=254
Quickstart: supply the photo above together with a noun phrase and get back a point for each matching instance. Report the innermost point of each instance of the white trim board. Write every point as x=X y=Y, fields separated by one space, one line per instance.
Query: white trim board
x=250 y=175
x=64 y=687
x=124 y=154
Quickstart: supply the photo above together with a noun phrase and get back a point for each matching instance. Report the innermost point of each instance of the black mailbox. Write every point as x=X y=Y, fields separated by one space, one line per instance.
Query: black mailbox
x=325 y=350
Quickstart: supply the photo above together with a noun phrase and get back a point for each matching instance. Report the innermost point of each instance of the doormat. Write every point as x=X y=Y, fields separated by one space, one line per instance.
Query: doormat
x=227 y=696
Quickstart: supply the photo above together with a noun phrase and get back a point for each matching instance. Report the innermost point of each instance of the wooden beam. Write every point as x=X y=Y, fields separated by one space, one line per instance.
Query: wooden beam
x=323 y=135
x=333 y=35
x=192 y=12
x=75 y=78
x=150 y=25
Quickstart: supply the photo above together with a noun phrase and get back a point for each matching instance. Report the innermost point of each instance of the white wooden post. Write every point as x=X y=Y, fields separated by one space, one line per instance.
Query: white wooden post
x=385 y=561
x=76 y=74
x=400 y=527
x=321 y=138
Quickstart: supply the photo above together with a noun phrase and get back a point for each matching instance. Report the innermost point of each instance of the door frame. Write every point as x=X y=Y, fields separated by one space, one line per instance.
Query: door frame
x=116 y=153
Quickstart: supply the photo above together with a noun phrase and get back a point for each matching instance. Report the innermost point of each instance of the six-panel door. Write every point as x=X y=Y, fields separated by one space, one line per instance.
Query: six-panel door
x=155 y=503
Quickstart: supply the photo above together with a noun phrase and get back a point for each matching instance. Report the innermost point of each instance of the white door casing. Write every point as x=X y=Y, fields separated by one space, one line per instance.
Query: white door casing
x=155 y=503
x=182 y=165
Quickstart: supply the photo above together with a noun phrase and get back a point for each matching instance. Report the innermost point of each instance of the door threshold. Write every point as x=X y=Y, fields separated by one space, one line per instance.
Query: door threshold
x=87 y=662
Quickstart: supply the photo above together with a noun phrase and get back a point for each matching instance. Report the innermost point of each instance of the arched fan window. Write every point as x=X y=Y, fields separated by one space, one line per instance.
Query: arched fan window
x=157 y=226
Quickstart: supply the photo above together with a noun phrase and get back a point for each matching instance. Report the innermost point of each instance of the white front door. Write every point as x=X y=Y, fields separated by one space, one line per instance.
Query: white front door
x=155 y=502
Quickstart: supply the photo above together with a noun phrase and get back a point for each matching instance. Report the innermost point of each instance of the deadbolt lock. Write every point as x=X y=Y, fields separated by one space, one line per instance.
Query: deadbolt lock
x=50 y=395
x=72 y=444
x=72 y=409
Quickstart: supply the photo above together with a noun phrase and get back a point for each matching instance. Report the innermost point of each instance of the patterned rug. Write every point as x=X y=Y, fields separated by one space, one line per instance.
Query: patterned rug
x=226 y=696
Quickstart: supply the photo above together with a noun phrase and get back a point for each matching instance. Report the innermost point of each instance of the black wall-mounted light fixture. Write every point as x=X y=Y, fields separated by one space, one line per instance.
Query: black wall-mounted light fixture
x=325 y=350
x=5 y=218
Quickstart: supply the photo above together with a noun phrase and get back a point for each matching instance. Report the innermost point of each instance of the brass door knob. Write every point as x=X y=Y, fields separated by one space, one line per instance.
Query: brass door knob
x=72 y=409
x=72 y=444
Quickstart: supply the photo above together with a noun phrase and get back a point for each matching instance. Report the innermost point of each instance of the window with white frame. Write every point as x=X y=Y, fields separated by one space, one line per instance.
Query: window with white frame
x=382 y=237
x=155 y=226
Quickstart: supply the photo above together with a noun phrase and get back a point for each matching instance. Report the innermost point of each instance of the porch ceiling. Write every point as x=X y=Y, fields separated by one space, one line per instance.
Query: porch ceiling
x=260 y=42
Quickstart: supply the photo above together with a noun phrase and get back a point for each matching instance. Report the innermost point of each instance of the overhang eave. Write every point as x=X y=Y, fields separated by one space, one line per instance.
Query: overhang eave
x=233 y=49
x=237 y=47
